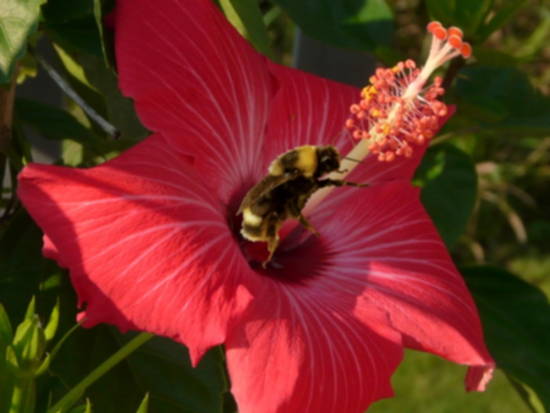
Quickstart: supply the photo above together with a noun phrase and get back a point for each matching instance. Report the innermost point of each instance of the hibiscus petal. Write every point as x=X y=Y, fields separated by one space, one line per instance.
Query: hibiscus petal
x=309 y=110
x=146 y=243
x=383 y=237
x=306 y=350
x=195 y=80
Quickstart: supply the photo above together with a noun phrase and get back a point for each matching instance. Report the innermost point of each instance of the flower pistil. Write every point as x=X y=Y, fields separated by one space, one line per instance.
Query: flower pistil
x=397 y=111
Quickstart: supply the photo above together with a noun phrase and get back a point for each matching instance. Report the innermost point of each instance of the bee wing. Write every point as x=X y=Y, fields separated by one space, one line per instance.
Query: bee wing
x=263 y=187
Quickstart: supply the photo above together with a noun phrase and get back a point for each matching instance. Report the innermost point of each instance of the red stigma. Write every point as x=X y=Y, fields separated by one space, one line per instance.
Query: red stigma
x=454 y=37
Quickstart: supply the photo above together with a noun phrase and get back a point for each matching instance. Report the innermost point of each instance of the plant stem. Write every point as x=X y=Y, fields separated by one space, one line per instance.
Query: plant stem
x=74 y=394
x=7 y=96
x=71 y=93
x=23 y=396
x=452 y=71
x=58 y=345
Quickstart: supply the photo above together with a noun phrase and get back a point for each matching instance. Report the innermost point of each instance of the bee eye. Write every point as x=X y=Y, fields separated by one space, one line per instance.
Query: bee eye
x=324 y=159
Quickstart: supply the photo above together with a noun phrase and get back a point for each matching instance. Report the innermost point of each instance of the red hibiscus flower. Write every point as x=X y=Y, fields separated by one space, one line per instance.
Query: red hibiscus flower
x=152 y=242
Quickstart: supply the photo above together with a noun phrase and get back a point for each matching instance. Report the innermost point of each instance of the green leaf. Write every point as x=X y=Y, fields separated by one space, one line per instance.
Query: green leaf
x=532 y=47
x=24 y=272
x=31 y=309
x=424 y=383
x=18 y=20
x=83 y=351
x=99 y=371
x=466 y=14
x=11 y=358
x=358 y=24
x=29 y=343
x=53 y=323
x=6 y=376
x=73 y=68
x=98 y=16
x=516 y=321
x=246 y=17
x=160 y=367
x=163 y=368
x=7 y=368
x=6 y=331
x=50 y=121
x=87 y=408
x=449 y=186
x=79 y=35
x=528 y=396
x=72 y=153
x=73 y=25
x=500 y=17
x=23 y=397
x=94 y=78
x=27 y=68
x=502 y=100
x=44 y=365
x=144 y=406
x=62 y=11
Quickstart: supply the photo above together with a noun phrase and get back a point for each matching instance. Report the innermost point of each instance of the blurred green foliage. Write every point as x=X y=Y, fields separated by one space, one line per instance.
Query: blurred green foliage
x=484 y=181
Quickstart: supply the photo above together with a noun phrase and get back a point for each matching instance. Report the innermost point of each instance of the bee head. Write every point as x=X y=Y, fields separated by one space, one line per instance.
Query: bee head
x=328 y=160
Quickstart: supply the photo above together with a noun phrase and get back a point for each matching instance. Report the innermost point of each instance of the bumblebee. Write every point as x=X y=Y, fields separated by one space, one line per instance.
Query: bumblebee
x=293 y=177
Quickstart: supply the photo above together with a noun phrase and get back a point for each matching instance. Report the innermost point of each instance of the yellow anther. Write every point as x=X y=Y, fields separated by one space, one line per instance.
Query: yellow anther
x=375 y=113
x=368 y=92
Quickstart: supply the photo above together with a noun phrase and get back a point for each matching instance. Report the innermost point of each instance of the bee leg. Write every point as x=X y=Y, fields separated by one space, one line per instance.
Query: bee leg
x=272 y=245
x=307 y=225
x=296 y=212
x=339 y=182
x=272 y=237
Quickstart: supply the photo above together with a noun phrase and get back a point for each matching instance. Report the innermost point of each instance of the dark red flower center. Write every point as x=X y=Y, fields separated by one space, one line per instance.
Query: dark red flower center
x=300 y=255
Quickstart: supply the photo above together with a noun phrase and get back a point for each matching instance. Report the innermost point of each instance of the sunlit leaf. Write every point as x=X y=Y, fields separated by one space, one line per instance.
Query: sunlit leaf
x=53 y=323
x=18 y=19
x=27 y=68
x=529 y=397
x=245 y=15
x=6 y=331
x=425 y=383
x=31 y=309
x=98 y=16
x=144 y=406
x=86 y=408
